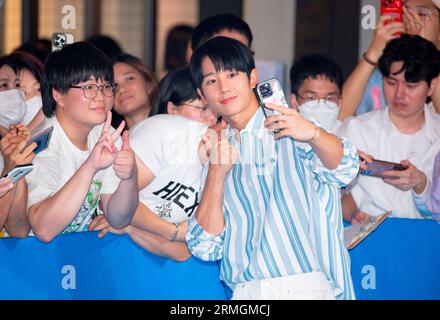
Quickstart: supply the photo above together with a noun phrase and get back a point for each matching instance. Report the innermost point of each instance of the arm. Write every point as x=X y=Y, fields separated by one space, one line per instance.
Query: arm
x=120 y=206
x=355 y=85
x=350 y=210
x=155 y=244
x=17 y=224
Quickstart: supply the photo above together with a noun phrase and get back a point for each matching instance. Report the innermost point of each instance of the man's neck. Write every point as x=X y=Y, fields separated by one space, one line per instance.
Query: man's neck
x=408 y=125
x=76 y=132
x=240 y=120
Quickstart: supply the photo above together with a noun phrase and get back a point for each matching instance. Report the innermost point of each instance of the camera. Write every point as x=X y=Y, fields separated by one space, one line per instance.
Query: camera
x=265 y=90
x=60 y=40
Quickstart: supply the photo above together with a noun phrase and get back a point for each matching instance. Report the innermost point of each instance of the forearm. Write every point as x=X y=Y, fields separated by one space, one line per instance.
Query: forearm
x=354 y=89
x=158 y=245
x=5 y=206
x=147 y=220
x=348 y=206
x=17 y=224
x=209 y=213
x=436 y=99
x=328 y=147
x=123 y=203
x=50 y=216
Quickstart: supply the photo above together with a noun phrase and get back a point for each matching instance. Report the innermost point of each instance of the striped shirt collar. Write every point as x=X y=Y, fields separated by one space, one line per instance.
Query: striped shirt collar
x=254 y=127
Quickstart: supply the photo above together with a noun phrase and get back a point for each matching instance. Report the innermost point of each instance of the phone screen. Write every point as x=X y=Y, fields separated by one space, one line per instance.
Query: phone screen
x=377 y=167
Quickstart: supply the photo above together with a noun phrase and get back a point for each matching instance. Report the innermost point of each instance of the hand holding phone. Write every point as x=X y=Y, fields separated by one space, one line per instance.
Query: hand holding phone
x=18 y=172
x=376 y=168
x=392 y=8
x=61 y=39
x=42 y=140
x=270 y=91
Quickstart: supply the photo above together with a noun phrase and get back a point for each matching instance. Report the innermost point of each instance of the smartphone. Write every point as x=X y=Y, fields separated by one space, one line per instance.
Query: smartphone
x=270 y=91
x=19 y=172
x=392 y=8
x=377 y=167
x=61 y=39
x=42 y=140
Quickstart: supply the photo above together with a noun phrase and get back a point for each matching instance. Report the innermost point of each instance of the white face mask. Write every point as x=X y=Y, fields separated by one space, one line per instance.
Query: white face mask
x=12 y=107
x=32 y=107
x=323 y=111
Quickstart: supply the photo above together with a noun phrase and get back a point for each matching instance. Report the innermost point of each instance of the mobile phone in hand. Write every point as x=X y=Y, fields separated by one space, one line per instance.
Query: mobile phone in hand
x=377 y=167
x=392 y=8
x=270 y=91
x=18 y=172
x=61 y=39
x=42 y=140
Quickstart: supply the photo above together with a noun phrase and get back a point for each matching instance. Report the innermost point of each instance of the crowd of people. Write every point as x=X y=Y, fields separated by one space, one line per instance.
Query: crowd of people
x=192 y=166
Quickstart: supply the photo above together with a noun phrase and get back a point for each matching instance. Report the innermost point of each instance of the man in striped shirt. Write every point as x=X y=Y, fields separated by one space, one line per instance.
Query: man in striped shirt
x=262 y=216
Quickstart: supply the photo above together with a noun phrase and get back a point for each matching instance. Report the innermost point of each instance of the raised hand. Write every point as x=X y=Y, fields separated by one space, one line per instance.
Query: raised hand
x=125 y=162
x=290 y=123
x=14 y=147
x=104 y=153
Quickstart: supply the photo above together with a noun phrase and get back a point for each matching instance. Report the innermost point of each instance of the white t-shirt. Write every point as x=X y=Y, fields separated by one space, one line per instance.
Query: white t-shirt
x=374 y=133
x=2 y=164
x=168 y=146
x=54 y=166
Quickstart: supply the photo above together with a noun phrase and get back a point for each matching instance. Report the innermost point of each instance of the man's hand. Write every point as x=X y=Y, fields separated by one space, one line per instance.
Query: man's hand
x=411 y=178
x=101 y=223
x=363 y=164
x=413 y=24
x=125 y=162
x=104 y=153
x=290 y=123
x=382 y=35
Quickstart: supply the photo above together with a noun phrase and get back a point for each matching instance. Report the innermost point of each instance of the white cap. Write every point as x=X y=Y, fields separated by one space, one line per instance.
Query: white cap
x=437 y=3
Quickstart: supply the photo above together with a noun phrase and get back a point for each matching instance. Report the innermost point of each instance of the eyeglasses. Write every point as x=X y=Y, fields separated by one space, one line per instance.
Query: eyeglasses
x=313 y=97
x=91 y=90
x=425 y=14
x=201 y=108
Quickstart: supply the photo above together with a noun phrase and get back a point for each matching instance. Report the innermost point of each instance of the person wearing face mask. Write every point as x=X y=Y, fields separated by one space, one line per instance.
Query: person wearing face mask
x=316 y=83
x=363 y=89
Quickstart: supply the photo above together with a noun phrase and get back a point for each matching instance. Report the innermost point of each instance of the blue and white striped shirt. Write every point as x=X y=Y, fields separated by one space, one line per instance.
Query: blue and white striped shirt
x=282 y=212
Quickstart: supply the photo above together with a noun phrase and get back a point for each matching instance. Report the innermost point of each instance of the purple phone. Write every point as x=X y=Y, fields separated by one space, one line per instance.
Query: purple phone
x=377 y=167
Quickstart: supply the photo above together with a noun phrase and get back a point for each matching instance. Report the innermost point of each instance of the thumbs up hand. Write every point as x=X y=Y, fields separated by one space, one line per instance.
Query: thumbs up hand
x=125 y=162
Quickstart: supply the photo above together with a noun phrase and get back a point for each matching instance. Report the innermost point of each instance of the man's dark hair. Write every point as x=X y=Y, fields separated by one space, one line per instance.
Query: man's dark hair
x=420 y=57
x=109 y=46
x=177 y=87
x=314 y=66
x=225 y=54
x=69 y=66
x=211 y=26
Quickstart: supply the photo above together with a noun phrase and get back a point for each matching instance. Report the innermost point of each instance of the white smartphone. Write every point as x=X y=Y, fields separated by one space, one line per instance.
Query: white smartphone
x=270 y=91
x=19 y=172
x=61 y=39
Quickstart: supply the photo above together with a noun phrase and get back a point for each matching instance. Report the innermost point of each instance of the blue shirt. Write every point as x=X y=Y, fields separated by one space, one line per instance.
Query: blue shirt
x=373 y=98
x=275 y=223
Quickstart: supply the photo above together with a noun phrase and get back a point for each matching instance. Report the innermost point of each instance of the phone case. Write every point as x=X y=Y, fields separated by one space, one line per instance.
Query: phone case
x=393 y=8
x=19 y=172
x=61 y=39
x=270 y=91
x=377 y=167
x=42 y=140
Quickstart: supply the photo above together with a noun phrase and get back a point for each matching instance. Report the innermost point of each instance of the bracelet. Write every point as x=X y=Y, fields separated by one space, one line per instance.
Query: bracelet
x=176 y=232
x=368 y=60
x=314 y=134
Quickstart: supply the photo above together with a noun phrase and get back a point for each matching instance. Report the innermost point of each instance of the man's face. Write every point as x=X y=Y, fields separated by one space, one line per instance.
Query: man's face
x=405 y=99
x=429 y=13
x=82 y=110
x=319 y=88
x=228 y=93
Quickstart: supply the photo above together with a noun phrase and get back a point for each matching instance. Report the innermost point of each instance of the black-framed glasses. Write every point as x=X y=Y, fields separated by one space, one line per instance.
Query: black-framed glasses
x=313 y=97
x=91 y=90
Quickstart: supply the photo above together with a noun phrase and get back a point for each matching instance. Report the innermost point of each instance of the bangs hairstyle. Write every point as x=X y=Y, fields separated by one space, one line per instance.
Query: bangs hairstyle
x=314 y=66
x=75 y=63
x=20 y=60
x=225 y=54
x=420 y=57
x=177 y=87
x=143 y=69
